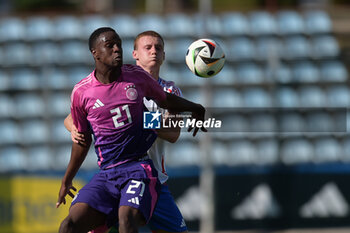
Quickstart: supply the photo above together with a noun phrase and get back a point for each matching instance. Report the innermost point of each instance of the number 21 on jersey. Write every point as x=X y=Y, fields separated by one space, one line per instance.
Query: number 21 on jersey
x=119 y=111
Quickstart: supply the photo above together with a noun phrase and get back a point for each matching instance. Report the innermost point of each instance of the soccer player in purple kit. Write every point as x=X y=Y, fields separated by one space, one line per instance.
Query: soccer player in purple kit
x=110 y=101
x=149 y=54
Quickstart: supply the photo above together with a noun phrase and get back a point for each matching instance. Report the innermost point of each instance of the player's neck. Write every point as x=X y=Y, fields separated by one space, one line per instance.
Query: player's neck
x=154 y=73
x=106 y=76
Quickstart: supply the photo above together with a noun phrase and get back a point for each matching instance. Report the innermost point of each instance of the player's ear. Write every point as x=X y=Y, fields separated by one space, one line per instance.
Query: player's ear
x=134 y=55
x=94 y=54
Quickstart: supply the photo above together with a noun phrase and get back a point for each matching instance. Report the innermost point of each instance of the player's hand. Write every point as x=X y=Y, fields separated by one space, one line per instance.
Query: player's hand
x=77 y=137
x=64 y=190
x=198 y=114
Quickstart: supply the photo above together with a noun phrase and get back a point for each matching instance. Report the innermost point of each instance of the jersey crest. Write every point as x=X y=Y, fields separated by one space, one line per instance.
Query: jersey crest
x=131 y=92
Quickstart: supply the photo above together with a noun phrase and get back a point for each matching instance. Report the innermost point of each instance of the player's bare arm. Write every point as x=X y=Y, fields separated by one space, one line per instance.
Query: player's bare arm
x=178 y=104
x=78 y=155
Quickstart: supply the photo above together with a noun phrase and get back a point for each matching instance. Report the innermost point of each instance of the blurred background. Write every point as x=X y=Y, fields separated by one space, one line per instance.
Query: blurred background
x=283 y=161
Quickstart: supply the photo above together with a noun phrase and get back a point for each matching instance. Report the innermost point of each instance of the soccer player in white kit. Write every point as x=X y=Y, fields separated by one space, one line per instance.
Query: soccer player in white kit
x=149 y=54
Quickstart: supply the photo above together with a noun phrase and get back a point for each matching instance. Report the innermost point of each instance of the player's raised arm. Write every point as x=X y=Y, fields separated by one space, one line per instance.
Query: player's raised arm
x=176 y=104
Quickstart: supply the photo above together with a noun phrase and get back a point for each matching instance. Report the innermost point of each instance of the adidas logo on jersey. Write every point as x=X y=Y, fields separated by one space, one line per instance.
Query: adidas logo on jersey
x=98 y=104
x=134 y=200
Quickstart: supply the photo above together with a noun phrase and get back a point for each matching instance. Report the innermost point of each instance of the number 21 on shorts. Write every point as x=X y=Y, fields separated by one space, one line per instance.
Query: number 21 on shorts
x=134 y=187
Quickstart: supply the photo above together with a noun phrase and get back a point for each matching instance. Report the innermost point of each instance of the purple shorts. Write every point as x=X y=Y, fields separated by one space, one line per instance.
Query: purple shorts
x=134 y=184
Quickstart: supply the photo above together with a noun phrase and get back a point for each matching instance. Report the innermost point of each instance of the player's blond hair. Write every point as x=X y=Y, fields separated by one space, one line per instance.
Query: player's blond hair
x=147 y=33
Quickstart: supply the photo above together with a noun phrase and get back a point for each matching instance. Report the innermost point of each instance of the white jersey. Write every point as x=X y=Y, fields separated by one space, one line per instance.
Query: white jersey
x=157 y=152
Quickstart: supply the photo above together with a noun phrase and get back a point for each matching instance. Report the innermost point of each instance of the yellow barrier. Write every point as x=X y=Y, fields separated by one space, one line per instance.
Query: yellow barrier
x=27 y=204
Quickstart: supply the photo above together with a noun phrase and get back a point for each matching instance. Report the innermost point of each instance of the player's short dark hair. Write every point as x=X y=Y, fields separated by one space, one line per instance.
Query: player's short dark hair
x=96 y=34
x=147 y=33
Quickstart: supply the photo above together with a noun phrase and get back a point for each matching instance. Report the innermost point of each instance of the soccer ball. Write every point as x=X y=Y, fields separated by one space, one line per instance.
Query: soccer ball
x=205 y=58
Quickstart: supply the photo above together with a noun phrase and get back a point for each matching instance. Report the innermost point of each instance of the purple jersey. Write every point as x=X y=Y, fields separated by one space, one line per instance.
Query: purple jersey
x=114 y=112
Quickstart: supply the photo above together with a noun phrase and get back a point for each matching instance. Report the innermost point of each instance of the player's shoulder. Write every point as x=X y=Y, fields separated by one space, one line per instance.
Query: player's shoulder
x=164 y=82
x=170 y=87
x=135 y=74
x=132 y=68
x=83 y=84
